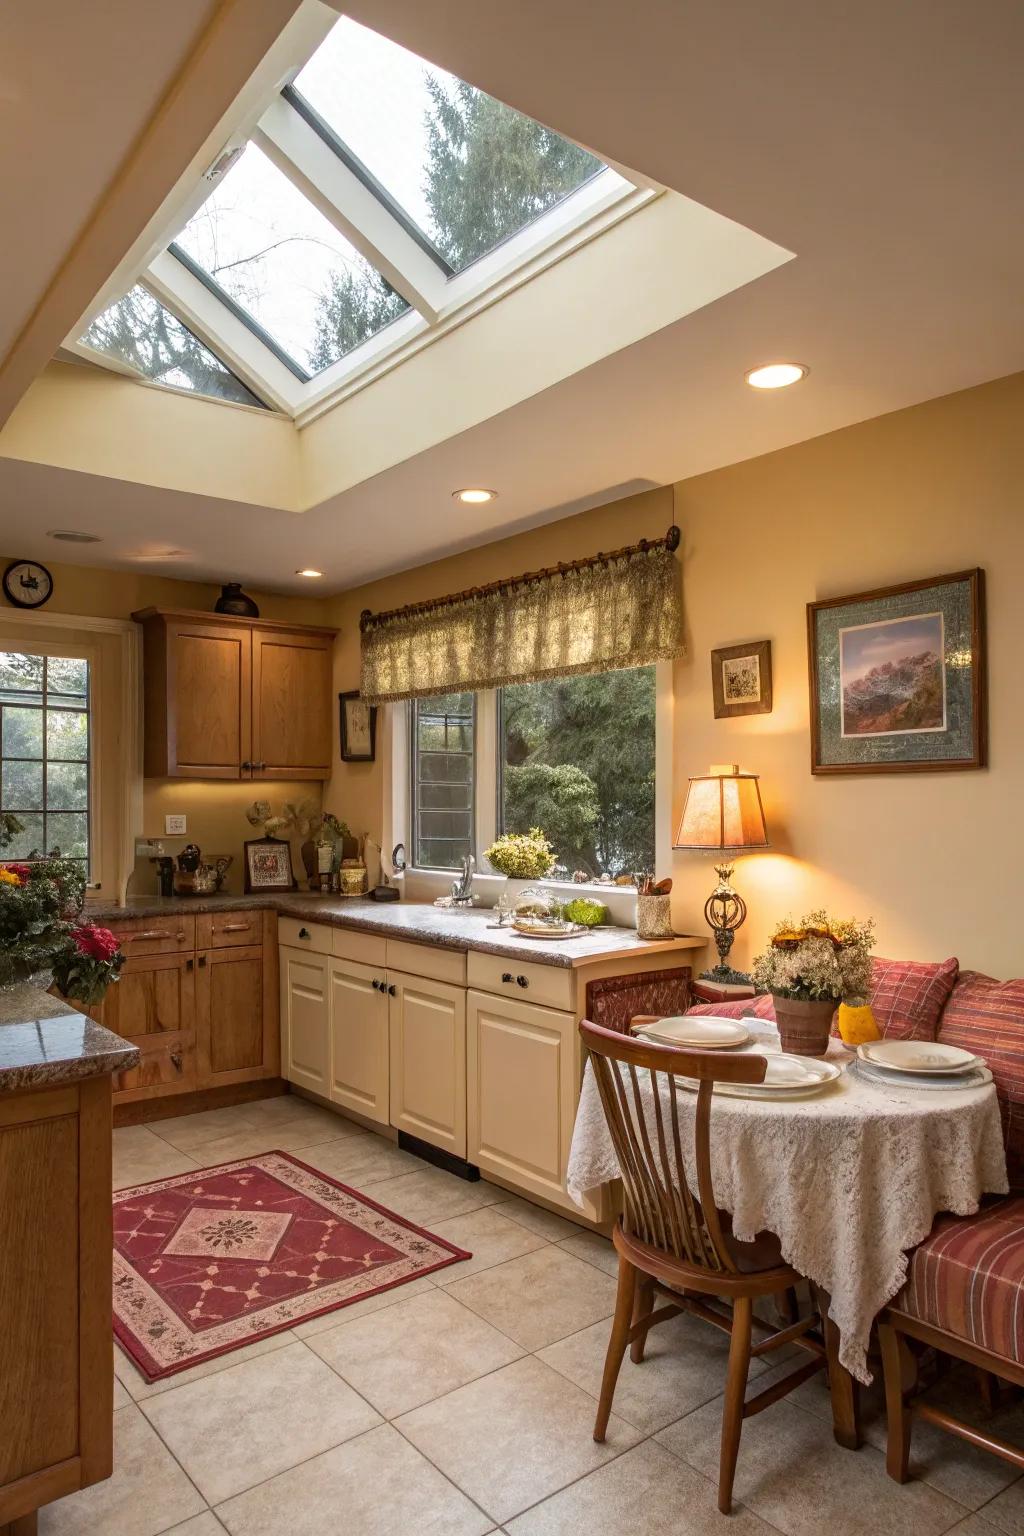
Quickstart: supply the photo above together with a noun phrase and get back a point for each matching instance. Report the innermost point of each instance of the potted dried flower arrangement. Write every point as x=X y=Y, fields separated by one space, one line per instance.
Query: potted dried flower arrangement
x=809 y=969
x=522 y=856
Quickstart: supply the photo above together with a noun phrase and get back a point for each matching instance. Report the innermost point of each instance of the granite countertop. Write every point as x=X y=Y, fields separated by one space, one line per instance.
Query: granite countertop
x=44 y=1043
x=417 y=923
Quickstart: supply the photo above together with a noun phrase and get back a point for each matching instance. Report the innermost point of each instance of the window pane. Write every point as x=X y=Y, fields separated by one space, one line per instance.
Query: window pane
x=287 y=266
x=67 y=734
x=23 y=732
x=577 y=760
x=139 y=331
x=468 y=171
x=44 y=752
x=443 y=731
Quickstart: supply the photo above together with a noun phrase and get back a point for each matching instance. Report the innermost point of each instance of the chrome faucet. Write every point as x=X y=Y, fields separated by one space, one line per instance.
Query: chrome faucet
x=462 y=888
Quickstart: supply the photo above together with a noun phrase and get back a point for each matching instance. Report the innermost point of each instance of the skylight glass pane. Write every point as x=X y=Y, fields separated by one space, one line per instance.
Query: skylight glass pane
x=287 y=266
x=139 y=331
x=468 y=171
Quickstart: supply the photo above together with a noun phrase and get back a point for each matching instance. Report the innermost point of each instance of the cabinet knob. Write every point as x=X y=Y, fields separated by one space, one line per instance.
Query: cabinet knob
x=202 y=962
x=247 y=764
x=304 y=933
x=507 y=977
x=189 y=965
x=376 y=985
x=176 y=1061
x=392 y=989
x=523 y=981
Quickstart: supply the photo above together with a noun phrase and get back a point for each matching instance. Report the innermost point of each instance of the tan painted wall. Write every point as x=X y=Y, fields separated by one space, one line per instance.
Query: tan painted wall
x=918 y=493
x=215 y=811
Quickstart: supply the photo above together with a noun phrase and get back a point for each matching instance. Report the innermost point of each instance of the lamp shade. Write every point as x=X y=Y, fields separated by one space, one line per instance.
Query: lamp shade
x=723 y=812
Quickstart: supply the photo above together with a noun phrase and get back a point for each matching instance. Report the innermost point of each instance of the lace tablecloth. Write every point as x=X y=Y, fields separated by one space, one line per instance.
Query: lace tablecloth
x=848 y=1180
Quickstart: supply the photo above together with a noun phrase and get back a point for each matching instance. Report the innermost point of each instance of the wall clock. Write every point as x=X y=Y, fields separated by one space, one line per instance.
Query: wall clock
x=27 y=584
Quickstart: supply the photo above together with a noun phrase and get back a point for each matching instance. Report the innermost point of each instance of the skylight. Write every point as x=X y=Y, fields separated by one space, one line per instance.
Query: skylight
x=287 y=266
x=466 y=170
x=377 y=203
x=141 y=333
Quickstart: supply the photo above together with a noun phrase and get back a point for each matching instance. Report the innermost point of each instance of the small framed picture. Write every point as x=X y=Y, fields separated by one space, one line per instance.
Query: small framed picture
x=358 y=729
x=268 y=865
x=741 y=679
x=898 y=677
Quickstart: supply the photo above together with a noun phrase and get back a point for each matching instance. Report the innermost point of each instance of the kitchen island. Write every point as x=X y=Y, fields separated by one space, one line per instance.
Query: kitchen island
x=56 y=1372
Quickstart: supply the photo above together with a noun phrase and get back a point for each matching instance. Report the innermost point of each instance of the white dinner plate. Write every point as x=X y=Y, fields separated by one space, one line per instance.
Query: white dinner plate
x=881 y=1077
x=700 y=1034
x=924 y=1057
x=786 y=1077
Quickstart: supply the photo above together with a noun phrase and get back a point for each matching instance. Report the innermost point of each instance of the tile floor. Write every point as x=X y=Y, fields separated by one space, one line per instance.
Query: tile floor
x=463 y=1403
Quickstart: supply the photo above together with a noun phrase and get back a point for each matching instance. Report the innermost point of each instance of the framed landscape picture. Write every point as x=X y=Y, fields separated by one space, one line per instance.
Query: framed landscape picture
x=358 y=729
x=741 y=679
x=898 y=677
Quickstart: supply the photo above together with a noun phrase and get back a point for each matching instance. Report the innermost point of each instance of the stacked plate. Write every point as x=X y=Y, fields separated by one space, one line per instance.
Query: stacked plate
x=786 y=1077
x=921 y=1064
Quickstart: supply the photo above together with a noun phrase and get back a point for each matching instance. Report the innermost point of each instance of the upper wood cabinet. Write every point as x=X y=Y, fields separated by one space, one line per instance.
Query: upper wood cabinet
x=230 y=698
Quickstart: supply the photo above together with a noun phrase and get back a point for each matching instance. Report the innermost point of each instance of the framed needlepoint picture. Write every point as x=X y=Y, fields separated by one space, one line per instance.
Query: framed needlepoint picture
x=898 y=677
x=741 y=679
x=268 y=865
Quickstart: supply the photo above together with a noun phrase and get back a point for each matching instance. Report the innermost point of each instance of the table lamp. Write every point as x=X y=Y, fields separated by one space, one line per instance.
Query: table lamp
x=723 y=814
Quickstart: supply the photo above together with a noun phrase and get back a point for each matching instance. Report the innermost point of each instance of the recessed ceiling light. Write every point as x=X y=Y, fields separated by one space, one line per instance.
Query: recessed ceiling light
x=776 y=375
x=474 y=494
x=69 y=536
x=309 y=571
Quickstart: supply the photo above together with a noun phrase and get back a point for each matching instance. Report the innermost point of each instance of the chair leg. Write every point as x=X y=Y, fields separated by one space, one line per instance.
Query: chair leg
x=844 y=1391
x=897 y=1455
x=735 y=1391
x=643 y=1306
x=621 y=1323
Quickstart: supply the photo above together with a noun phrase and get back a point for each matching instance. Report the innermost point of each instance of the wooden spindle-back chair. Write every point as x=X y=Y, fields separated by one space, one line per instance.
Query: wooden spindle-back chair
x=672 y=1240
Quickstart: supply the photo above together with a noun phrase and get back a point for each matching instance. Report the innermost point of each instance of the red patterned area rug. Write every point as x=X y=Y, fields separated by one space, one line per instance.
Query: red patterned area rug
x=209 y=1261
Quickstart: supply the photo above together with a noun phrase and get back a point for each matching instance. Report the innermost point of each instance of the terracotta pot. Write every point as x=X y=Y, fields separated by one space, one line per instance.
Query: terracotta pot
x=804 y=1026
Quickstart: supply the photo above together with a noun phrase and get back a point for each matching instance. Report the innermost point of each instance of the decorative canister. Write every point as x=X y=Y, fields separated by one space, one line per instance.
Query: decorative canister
x=353 y=879
x=654 y=917
x=856 y=1024
x=234 y=601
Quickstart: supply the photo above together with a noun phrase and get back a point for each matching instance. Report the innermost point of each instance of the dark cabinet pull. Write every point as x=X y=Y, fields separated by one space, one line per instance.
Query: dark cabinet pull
x=392 y=990
x=189 y=965
x=247 y=764
x=523 y=981
x=176 y=1061
x=376 y=985
x=304 y=933
x=202 y=962
x=507 y=977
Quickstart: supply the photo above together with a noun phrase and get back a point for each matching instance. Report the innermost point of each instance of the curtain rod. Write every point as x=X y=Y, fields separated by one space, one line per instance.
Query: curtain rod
x=367 y=619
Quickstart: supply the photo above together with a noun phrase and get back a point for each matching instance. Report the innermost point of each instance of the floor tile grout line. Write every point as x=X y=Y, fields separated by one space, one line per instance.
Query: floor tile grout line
x=177 y=1462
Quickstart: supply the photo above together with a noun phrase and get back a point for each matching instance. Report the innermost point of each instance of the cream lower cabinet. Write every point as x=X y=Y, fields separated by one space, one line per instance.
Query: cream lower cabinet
x=359 y=1039
x=522 y=1086
x=306 y=1019
x=428 y=1060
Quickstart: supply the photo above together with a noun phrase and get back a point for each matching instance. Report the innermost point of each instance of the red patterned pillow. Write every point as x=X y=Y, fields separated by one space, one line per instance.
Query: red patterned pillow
x=747 y=1007
x=908 y=996
x=987 y=1016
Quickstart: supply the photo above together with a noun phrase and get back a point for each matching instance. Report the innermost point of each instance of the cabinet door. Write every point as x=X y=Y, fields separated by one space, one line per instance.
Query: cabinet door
x=522 y=1089
x=428 y=1060
x=153 y=1006
x=208 y=700
x=359 y=1039
x=292 y=719
x=305 y=1019
x=231 y=1022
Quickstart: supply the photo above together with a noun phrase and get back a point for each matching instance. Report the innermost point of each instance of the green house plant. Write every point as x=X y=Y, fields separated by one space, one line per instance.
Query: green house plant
x=39 y=901
x=809 y=969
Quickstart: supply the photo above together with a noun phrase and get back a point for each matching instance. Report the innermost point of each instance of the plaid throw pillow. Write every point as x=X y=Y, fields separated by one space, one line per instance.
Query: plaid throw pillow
x=908 y=996
x=987 y=1017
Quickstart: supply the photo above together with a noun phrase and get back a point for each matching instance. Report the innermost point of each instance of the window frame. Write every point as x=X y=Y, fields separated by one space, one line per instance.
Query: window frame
x=414 y=783
x=46 y=762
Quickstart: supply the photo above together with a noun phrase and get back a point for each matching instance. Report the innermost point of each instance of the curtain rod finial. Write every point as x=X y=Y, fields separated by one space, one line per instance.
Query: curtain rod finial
x=673 y=538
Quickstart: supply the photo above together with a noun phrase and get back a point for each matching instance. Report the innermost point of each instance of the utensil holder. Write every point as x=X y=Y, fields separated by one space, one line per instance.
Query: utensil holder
x=654 y=917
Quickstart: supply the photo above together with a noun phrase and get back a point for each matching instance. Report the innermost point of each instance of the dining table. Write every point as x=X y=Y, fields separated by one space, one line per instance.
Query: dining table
x=849 y=1178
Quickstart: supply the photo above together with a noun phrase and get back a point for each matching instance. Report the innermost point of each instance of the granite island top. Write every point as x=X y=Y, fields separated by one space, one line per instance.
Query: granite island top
x=44 y=1042
x=415 y=922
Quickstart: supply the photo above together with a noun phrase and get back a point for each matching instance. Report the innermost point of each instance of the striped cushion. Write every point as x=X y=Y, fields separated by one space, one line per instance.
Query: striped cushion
x=987 y=1016
x=968 y=1278
x=747 y=1007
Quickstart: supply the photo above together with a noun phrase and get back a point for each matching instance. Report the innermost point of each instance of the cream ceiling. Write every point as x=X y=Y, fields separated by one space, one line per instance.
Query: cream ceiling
x=880 y=144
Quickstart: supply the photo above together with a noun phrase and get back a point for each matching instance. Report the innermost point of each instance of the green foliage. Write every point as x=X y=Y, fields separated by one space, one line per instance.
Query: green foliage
x=32 y=926
x=491 y=170
x=139 y=331
x=562 y=799
x=585 y=911
x=355 y=306
x=603 y=725
x=10 y=826
x=522 y=855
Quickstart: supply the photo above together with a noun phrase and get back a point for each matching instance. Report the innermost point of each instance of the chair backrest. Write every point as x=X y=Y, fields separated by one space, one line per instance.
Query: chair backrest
x=641 y=1106
x=614 y=1001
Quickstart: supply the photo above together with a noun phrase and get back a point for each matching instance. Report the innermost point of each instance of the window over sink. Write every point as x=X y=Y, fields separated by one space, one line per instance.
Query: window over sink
x=44 y=753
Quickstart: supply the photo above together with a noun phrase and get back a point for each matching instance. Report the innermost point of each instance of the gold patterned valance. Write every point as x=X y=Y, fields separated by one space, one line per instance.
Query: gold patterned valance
x=595 y=615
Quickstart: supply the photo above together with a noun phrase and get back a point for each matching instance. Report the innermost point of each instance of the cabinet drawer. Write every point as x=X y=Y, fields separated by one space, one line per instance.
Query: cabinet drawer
x=216 y=930
x=303 y=935
x=427 y=960
x=363 y=948
x=168 y=935
x=552 y=985
x=168 y=1065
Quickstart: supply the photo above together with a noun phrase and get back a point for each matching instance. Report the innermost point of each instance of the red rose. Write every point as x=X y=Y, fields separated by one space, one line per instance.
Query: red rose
x=97 y=943
x=21 y=870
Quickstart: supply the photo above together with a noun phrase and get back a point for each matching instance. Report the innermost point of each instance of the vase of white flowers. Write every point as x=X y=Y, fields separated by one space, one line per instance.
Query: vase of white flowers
x=809 y=968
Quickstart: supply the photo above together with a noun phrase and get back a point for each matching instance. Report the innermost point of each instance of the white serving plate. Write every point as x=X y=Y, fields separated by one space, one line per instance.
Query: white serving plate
x=704 y=1033
x=926 y=1058
x=786 y=1077
x=882 y=1077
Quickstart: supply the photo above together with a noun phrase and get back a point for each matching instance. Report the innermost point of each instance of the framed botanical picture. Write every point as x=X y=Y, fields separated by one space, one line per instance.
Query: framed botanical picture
x=268 y=865
x=741 y=679
x=898 y=677
x=358 y=729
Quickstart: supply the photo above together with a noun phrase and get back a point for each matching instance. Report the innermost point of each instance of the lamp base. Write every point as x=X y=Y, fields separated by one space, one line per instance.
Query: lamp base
x=726 y=976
